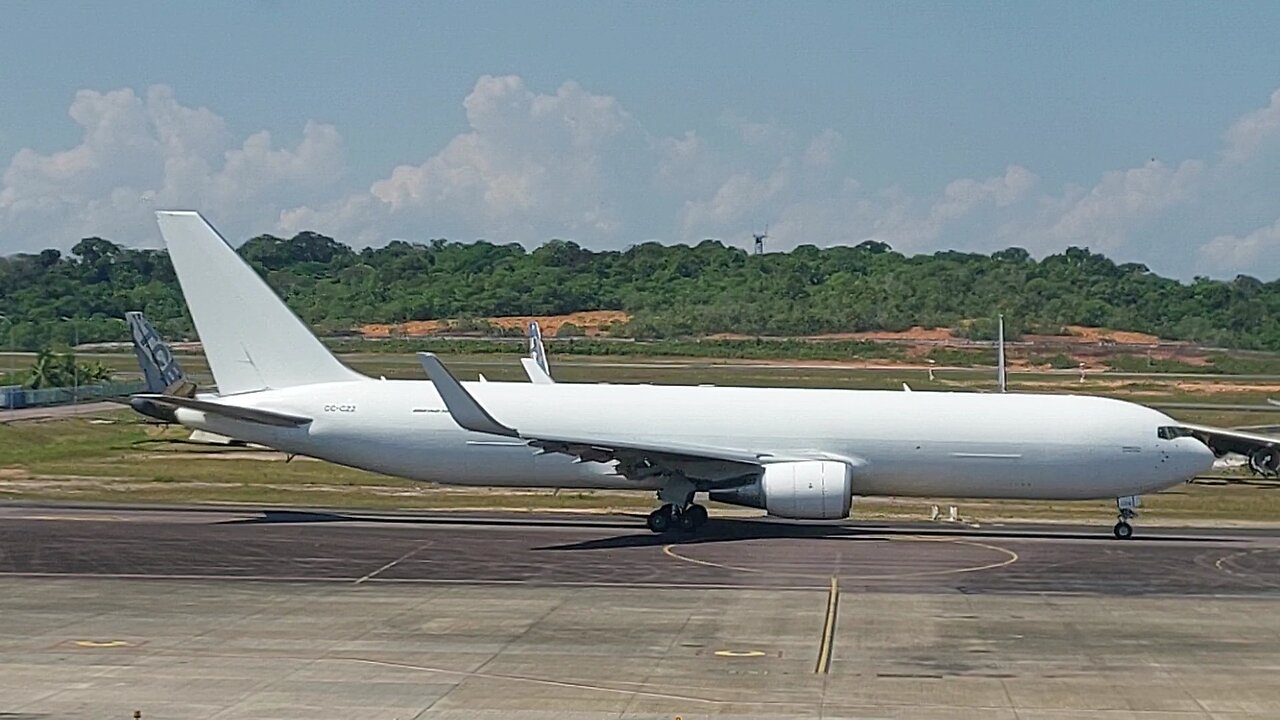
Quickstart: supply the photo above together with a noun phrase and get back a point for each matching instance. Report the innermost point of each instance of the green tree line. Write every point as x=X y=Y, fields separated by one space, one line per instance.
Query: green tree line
x=671 y=291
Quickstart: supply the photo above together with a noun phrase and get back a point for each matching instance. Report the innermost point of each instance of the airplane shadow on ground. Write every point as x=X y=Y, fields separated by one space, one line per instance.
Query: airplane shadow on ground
x=724 y=530
x=717 y=530
x=284 y=517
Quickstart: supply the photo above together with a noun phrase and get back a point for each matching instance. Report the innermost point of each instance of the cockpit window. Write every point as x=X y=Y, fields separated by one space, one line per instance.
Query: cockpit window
x=1169 y=432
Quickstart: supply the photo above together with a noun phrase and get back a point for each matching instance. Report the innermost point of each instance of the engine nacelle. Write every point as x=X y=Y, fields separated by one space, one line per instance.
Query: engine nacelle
x=805 y=490
x=1265 y=461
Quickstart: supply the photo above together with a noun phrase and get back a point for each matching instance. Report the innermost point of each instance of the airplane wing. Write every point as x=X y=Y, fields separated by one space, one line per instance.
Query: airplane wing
x=1263 y=451
x=1237 y=440
x=636 y=460
x=235 y=412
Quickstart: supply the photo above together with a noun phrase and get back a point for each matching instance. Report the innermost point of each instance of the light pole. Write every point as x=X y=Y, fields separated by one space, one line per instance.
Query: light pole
x=9 y=326
x=75 y=364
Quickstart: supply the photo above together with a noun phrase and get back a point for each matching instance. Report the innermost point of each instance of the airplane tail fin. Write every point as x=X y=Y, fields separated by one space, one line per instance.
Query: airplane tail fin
x=536 y=365
x=252 y=339
x=160 y=368
x=536 y=349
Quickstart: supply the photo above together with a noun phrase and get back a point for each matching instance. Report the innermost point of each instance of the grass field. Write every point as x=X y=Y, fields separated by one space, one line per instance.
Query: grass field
x=115 y=457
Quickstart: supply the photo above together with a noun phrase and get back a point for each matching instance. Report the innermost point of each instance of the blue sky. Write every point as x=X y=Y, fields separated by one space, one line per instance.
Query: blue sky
x=1148 y=131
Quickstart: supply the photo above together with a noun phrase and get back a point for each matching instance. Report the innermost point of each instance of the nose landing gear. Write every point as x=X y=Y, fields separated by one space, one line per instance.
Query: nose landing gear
x=1127 y=507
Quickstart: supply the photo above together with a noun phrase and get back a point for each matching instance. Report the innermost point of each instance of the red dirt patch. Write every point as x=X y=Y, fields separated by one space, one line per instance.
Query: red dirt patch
x=592 y=322
x=1119 y=337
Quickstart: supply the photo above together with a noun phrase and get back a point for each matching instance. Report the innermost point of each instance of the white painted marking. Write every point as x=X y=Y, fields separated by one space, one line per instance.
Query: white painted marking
x=390 y=565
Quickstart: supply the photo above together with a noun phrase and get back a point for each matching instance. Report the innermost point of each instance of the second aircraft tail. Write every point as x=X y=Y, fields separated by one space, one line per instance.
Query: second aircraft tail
x=159 y=367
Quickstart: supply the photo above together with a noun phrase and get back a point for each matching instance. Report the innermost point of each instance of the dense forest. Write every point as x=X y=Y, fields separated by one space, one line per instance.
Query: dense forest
x=671 y=291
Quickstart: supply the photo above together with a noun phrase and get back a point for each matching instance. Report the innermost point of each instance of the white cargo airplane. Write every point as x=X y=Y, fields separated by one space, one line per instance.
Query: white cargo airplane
x=796 y=453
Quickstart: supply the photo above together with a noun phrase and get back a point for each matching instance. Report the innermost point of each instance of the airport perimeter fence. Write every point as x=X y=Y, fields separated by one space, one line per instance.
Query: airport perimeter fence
x=13 y=397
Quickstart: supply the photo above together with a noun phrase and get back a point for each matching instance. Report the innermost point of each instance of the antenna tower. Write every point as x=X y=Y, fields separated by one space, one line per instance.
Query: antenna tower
x=760 y=238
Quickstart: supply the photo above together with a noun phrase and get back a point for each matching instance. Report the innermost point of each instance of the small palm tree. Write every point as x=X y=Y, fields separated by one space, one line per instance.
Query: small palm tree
x=45 y=371
x=94 y=372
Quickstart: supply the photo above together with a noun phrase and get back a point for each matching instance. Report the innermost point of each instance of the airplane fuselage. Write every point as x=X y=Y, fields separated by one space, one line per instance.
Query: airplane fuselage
x=907 y=444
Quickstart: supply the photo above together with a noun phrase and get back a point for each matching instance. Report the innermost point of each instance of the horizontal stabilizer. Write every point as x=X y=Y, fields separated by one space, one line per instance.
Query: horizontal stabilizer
x=235 y=412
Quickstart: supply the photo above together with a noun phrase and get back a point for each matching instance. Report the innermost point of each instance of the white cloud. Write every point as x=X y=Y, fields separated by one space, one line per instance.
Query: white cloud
x=686 y=165
x=851 y=214
x=138 y=152
x=738 y=200
x=576 y=164
x=1106 y=216
x=531 y=167
x=1229 y=254
x=1252 y=132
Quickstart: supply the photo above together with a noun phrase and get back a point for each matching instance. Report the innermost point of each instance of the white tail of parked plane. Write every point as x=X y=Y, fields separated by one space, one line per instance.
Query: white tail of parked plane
x=252 y=340
x=536 y=365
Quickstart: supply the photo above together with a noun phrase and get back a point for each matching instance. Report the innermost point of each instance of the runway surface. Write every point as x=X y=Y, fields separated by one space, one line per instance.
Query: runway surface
x=240 y=614
x=543 y=549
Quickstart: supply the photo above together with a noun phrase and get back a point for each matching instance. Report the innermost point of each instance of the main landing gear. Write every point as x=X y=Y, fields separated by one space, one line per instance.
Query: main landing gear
x=678 y=511
x=1127 y=507
x=672 y=517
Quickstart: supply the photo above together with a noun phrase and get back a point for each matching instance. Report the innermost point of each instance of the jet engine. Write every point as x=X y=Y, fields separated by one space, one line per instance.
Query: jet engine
x=805 y=490
x=1265 y=461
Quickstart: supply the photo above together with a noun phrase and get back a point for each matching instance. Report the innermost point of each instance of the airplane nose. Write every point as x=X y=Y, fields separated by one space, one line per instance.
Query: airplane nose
x=1192 y=456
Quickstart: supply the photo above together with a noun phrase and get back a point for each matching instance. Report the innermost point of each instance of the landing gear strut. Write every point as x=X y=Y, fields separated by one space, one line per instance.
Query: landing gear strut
x=1127 y=507
x=671 y=516
x=678 y=509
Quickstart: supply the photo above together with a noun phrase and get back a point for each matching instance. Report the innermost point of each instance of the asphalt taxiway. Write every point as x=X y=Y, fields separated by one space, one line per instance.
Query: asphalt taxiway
x=230 y=613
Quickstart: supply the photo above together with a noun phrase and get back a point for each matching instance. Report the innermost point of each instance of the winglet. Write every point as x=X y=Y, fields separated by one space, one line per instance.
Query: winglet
x=468 y=413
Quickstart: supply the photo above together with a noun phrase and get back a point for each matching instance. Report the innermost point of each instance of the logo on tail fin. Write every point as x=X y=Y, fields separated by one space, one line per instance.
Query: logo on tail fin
x=159 y=367
x=536 y=350
x=535 y=365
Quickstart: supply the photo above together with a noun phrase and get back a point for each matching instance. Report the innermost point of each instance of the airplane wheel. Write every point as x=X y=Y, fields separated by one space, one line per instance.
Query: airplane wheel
x=659 y=520
x=688 y=520
x=1122 y=530
x=698 y=513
